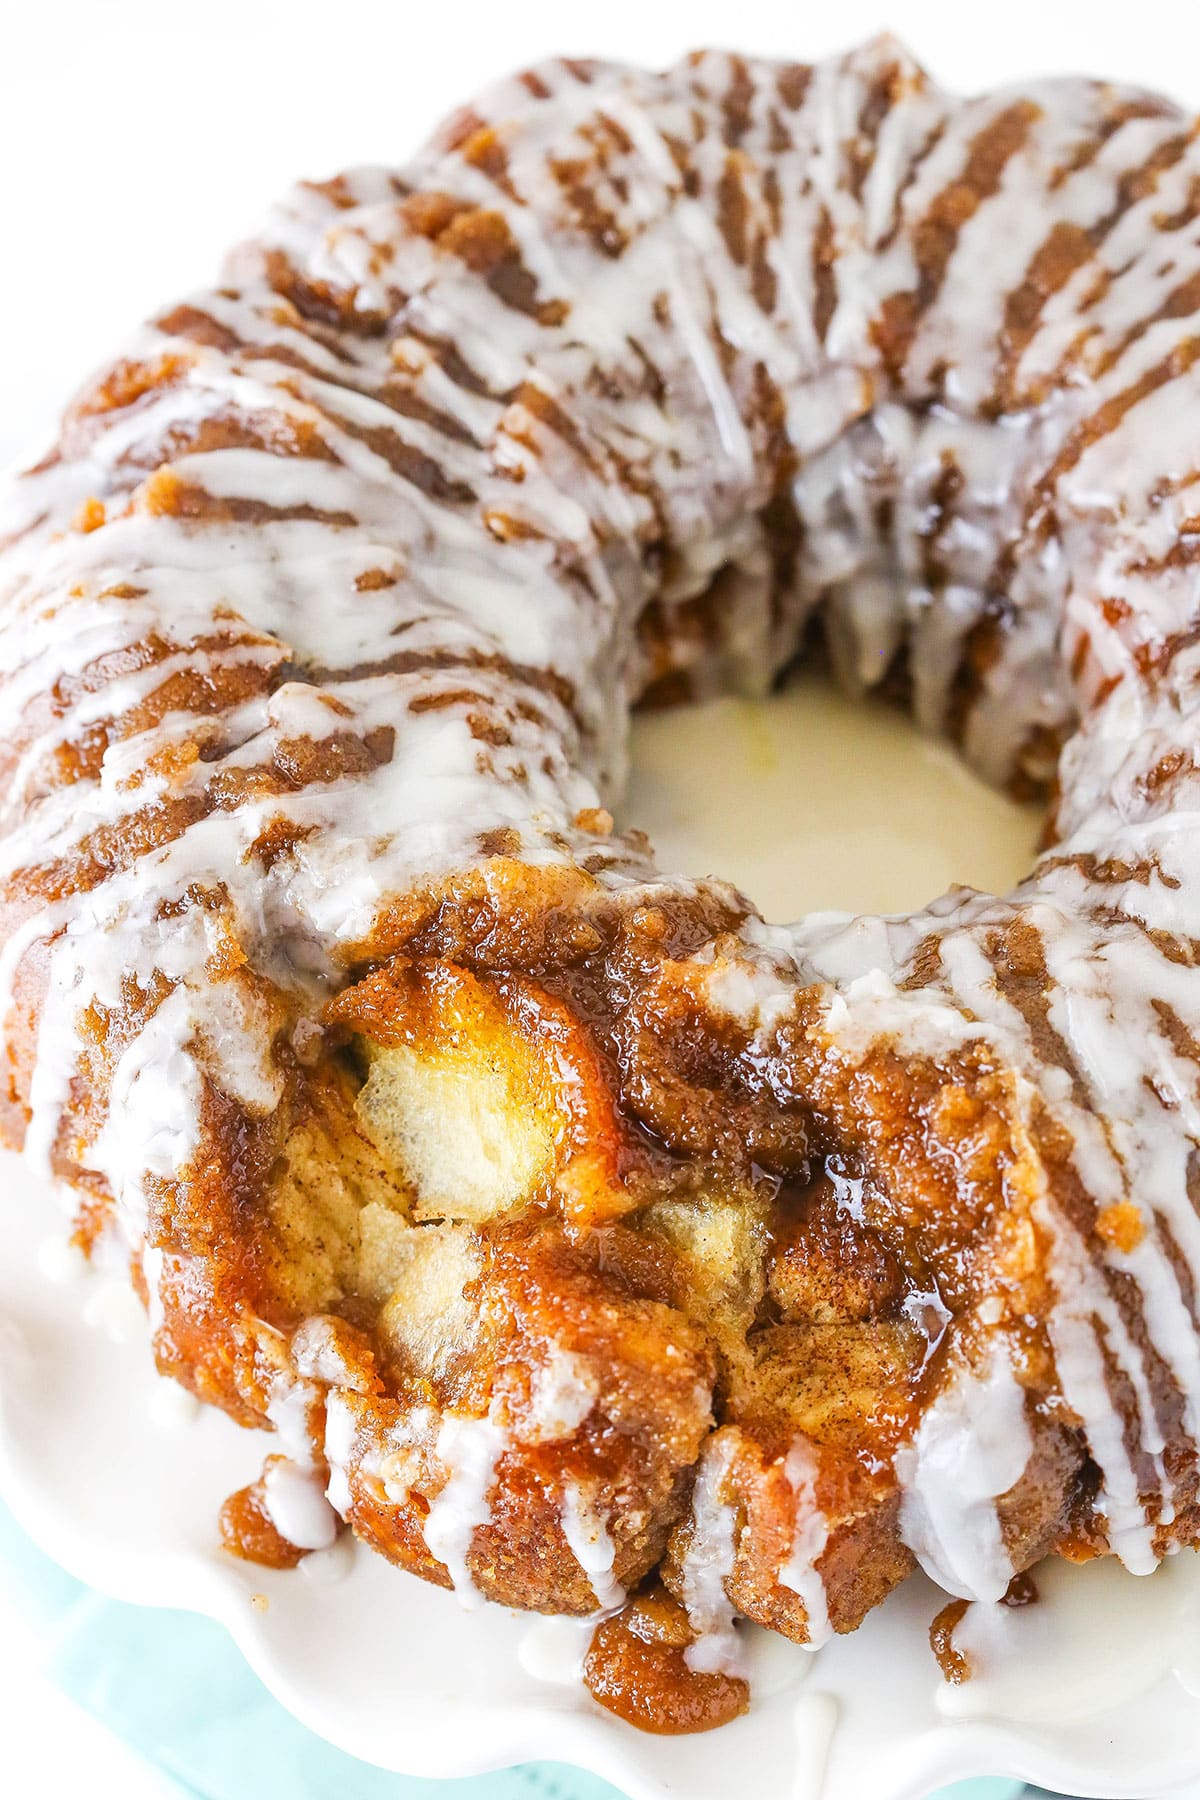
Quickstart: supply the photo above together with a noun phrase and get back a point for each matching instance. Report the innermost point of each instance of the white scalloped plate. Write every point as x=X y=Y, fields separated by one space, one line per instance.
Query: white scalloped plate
x=394 y=1672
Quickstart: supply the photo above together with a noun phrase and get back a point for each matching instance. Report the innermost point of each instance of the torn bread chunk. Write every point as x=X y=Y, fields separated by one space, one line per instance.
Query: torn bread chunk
x=487 y=1093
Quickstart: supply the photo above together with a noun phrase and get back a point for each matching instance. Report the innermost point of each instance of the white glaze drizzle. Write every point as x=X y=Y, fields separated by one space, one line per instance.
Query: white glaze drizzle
x=590 y=1543
x=1096 y=1636
x=294 y=1501
x=816 y=1721
x=810 y=1537
x=468 y=1449
x=707 y=1566
x=971 y=1446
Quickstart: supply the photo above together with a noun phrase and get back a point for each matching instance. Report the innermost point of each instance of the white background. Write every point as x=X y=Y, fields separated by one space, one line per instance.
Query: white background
x=138 y=139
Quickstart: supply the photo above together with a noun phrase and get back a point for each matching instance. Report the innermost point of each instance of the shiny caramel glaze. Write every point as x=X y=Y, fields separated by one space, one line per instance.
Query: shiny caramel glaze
x=636 y=1668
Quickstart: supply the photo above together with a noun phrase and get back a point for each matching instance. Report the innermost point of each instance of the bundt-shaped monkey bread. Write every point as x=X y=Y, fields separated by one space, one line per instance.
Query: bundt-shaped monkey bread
x=578 y=1232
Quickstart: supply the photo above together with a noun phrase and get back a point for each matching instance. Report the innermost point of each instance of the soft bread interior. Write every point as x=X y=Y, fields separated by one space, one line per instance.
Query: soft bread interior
x=346 y=1228
x=449 y=1105
x=420 y=1273
x=825 y=1382
x=450 y=1108
x=460 y=1123
x=720 y=1243
x=330 y=1172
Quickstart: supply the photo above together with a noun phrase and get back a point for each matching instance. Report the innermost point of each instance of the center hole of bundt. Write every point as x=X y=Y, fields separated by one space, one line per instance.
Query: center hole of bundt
x=808 y=800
